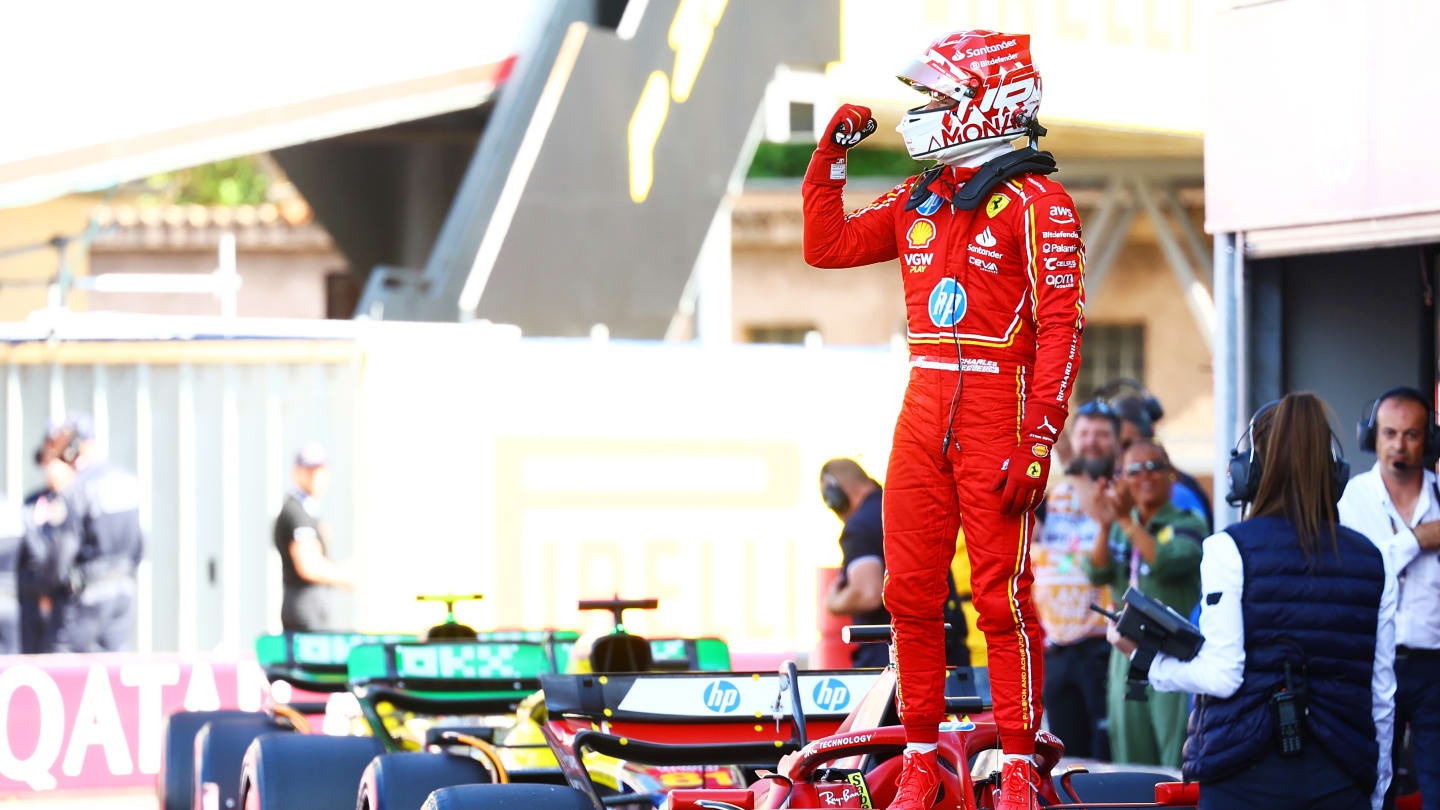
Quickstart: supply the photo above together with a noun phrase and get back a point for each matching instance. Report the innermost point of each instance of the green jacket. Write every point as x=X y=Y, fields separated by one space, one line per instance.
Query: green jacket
x=1174 y=576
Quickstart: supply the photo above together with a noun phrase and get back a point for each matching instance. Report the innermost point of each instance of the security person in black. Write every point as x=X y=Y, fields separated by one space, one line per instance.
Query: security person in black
x=97 y=546
x=309 y=575
x=856 y=499
x=12 y=540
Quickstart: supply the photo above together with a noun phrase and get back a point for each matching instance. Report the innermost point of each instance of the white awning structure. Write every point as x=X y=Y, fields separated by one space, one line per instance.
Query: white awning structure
x=97 y=94
x=1321 y=121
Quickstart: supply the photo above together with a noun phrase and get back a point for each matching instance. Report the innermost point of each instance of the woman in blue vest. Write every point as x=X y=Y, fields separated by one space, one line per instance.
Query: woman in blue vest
x=1298 y=614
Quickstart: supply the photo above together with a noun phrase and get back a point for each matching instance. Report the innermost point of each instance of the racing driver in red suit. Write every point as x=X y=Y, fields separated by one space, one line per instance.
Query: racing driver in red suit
x=993 y=269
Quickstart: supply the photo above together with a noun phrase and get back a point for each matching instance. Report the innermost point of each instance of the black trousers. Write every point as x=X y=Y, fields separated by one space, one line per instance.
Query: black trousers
x=1075 y=696
x=1311 y=781
x=1417 y=702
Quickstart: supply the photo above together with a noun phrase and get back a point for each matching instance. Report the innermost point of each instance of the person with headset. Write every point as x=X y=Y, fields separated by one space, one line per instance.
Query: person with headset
x=97 y=546
x=1294 y=683
x=43 y=514
x=993 y=267
x=856 y=499
x=1396 y=503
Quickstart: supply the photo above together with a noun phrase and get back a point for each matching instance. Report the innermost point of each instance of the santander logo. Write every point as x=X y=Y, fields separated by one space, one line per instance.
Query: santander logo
x=985 y=238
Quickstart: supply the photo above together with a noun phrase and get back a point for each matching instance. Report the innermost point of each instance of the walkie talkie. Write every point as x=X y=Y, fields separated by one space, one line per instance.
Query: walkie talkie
x=1288 y=710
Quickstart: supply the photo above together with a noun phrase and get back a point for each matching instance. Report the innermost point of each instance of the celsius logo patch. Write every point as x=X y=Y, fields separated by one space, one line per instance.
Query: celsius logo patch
x=985 y=238
x=721 y=697
x=947 y=303
x=930 y=206
x=921 y=234
x=831 y=695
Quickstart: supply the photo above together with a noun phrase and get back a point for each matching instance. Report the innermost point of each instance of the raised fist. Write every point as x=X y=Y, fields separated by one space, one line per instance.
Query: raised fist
x=850 y=125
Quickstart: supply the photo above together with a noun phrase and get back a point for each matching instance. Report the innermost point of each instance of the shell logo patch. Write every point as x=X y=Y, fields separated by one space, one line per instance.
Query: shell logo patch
x=921 y=233
x=1033 y=470
x=1039 y=450
x=996 y=205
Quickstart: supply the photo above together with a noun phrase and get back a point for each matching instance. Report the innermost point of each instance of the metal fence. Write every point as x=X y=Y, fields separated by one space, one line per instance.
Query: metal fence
x=209 y=428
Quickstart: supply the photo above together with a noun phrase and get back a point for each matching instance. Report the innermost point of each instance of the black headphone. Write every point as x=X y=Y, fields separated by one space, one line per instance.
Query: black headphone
x=1152 y=407
x=68 y=453
x=1365 y=429
x=834 y=496
x=1246 y=465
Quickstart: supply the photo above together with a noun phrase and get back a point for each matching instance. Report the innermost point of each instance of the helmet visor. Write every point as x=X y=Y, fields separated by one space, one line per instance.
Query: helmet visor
x=923 y=75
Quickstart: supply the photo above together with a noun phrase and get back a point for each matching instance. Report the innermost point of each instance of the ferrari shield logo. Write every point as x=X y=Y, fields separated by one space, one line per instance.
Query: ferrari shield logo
x=996 y=205
x=1033 y=470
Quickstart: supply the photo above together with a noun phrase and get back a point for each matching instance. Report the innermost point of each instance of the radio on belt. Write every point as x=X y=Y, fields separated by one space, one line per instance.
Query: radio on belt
x=1155 y=627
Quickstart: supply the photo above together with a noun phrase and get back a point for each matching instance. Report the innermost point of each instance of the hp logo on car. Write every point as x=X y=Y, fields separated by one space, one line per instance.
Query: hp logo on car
x=721 y=697
x=831 y=695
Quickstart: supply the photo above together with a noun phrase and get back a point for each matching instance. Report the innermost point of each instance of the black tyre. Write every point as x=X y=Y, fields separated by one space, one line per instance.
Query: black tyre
x=509 y=797
x=176 y=782
x=305 y=771
x=1117 y=786
x=403 y=781
x=220 y=754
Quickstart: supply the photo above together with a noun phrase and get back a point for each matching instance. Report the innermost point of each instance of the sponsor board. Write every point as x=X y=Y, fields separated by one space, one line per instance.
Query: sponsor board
x=96 y=721
x=741 y=695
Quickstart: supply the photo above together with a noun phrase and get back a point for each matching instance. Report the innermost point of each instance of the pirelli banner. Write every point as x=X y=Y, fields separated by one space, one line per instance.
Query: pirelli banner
x=596 y=183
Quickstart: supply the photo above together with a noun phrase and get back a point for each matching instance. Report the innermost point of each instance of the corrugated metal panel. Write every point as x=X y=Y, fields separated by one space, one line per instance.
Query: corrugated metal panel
x=210 y=440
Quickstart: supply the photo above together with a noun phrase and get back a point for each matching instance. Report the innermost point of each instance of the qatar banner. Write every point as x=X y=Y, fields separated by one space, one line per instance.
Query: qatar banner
x=95 y=721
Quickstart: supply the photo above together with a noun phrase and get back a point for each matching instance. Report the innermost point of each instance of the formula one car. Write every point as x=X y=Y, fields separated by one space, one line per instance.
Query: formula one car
x=420 y=713
x=202 y=752
x=808 y=740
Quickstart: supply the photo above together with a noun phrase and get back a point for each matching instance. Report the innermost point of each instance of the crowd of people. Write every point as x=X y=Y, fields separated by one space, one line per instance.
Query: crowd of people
x=69 y=552
x=1329 y=589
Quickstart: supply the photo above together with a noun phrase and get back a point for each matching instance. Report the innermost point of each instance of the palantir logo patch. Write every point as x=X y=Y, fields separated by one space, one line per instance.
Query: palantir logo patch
x=721 y=697
x=831 y=695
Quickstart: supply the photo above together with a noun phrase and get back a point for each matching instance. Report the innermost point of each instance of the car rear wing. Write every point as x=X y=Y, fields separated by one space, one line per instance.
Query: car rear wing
x=700 y=697
x=314 y=662
x=690 y=654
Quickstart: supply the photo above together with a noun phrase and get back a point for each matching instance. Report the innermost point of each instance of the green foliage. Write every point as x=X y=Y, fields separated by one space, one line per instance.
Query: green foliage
x=790 y=160
x=238 y=181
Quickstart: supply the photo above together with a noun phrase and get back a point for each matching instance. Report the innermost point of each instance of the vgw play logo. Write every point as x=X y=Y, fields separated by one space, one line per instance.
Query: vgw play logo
x=721 y=697
x=831 y=695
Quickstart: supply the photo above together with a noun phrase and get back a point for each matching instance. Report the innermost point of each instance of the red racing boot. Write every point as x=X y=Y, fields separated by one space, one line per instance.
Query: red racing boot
x=1019 y=786
x=919 y=782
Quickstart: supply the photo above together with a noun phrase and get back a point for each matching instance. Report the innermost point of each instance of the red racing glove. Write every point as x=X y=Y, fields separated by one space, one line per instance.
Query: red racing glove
x=1022 y=478
x=850 y=125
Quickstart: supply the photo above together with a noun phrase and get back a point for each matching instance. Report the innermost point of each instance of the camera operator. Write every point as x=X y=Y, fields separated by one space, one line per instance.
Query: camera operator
x=1295 y=681
x=1396 y=504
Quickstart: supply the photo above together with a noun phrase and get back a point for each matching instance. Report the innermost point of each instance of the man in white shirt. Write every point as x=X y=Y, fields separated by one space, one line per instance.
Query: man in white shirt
x=1397 y=505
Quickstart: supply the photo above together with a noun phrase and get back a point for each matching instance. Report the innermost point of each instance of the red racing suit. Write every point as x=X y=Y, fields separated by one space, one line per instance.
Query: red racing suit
x=995 y=296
